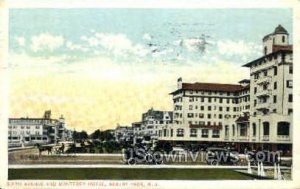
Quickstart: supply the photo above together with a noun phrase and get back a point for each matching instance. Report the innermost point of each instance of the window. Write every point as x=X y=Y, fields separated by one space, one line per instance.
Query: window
x=290 y=69
x=275 y=85
x=216 y=133
x=180 y=133
x=226 y=131
x=228 y=101
x=209 y=108
x=171 y=133
x=265 y=87
x=190 y=115
x=208 y=116
x=220 y=108
x=254 y=129
x=243 y=130
x=289 y=83
x=165 y=132
x=221 y=100
x=220 y=116
x=283 y=128
x=275 y=70
x=202 y=107
x=201 y=115
x=283 y=39
x=255 y=102
x=265 y=50
x=227 y=109
x=193 y=133
x=274 y=99
x=202 y=99
x=265 y=73
x=290 y=98
x=266 y=128
x=290 y=111
x=191 y=107
x=209 y=99
x=204 y=133
x=255 y=90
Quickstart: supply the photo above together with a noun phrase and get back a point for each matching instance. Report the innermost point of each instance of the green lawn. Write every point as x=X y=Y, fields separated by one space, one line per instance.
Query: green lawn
x=124 y=173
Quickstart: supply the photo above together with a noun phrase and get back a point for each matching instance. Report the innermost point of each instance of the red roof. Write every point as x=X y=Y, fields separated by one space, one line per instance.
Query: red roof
x=212 y=87
x=281 y=47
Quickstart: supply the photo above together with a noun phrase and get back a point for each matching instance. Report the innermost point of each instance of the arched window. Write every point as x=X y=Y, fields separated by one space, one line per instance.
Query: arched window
x=266 y=127
x=283 y=128
x=226 y=130
x=254 y=129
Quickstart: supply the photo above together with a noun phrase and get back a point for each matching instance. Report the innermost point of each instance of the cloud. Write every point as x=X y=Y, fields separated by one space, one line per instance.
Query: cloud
x=75 y=47
x=147 y=36
x=240 y=47
x=46 y=42
x=20 y=41
x=116 y=44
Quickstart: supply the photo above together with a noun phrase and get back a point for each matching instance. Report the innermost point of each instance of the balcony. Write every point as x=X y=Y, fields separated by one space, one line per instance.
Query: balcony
x=263 y=93
x=266 y=138
x=262 y=106
x=283 y=138
x=263 y=80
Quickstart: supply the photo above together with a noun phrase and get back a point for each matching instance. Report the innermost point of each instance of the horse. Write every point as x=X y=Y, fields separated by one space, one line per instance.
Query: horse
x=44 y=148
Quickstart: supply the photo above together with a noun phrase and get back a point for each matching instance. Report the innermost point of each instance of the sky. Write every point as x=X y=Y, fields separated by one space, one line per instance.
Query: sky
x=103 y=67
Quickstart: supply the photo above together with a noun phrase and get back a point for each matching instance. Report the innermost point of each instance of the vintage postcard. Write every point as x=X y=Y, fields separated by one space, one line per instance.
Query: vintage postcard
x=183 y=95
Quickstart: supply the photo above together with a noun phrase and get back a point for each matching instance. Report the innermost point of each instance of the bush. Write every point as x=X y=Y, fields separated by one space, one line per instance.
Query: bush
x=163 y=146
x=111 y=146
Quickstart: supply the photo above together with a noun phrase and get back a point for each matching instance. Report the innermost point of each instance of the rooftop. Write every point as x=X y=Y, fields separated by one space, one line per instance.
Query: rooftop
x=278 y=30
x=276 y=49
x=217 y=87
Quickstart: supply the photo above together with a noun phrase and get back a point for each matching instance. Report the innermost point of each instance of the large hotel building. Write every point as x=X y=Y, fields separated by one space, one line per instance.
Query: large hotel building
x=255 y=113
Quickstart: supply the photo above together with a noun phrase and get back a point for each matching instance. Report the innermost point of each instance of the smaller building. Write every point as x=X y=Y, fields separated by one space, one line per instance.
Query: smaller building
x=29 y=131
x=152 y=123
x=123 y=134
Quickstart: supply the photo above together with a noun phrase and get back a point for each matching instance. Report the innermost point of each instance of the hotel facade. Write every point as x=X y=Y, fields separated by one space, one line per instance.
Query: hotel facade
x=256 y=113
x=29 y=131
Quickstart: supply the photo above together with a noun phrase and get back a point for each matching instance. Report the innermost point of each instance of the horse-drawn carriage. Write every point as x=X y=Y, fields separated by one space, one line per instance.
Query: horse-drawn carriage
x=50 y=149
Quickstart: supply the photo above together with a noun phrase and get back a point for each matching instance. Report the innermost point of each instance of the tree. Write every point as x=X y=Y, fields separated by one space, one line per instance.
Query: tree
x=80 y=135
x=102 y=135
